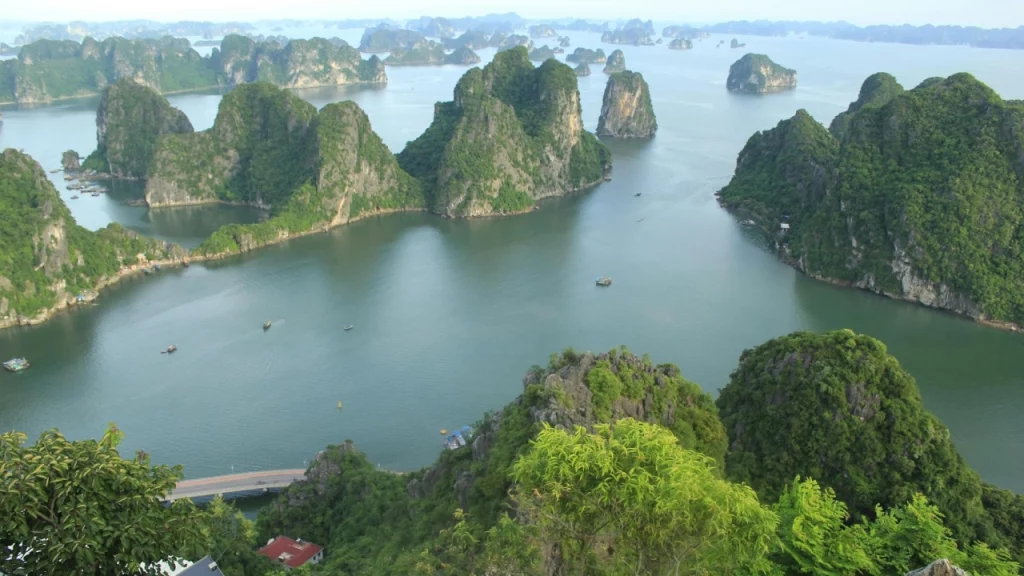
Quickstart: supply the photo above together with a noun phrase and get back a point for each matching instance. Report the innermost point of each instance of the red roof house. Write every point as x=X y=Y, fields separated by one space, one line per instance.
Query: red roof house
x=292 y=553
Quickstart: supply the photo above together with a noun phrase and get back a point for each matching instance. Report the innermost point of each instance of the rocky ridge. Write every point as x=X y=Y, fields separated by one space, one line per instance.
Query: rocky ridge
x=626 y=109
x=757 y=74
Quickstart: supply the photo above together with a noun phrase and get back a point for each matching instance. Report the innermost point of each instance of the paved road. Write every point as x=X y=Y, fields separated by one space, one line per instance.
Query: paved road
x=231 y=483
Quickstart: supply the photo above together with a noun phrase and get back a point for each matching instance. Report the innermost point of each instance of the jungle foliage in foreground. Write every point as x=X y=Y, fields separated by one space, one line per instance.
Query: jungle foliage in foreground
x=915 y=193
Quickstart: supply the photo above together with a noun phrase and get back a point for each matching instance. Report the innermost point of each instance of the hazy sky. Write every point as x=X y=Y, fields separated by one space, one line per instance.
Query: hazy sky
x=987 y=13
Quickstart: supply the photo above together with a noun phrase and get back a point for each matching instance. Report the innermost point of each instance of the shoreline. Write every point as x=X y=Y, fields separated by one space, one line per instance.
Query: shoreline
x=1003 y=325
x=195 y=257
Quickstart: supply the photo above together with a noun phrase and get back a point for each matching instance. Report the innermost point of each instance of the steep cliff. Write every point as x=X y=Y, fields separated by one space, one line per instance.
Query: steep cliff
x=757 y=74
x=586 y=56
x=511 y=41
x=257 y=152
x=876 y=91
x=129 y=120
x=48 y=70
x=541 y=54
x=512 y=135
x=70 y=161
x=434 y=27
x=920 y=201
x=384 y=38
x=616 y=62
x=680 y=44
x=269 y=148
x=472 y=39
x=422 y=53
x=46 y=260
x=582 y=70
x=632 y=36
x=462 y=56
x=298 y=64
x=542 y=31
x=626 y=109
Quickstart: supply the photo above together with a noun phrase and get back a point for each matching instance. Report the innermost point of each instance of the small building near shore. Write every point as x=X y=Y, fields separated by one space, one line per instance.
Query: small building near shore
x=292 y=553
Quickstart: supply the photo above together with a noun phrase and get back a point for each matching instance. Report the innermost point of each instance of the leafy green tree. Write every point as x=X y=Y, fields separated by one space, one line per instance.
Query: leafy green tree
x=78 y=507
x=630 y=491
x=232 y=541
x=814 y=536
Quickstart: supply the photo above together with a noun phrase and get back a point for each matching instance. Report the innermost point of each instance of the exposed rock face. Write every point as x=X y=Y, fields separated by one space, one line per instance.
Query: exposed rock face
x=479 y=157
x=48 y=70
x=879 y=213
x=564 y=42
x=49 y=259
x=616 y=63
x=253 y=154
x=435 y=27
x=626 y=110
x=541 y=54
x=939 y=568
x=385 y=38
x=473 y=39
x=876 y=91
x=422 y=53
x=69 y=161
x=632 y=36
x=586 y=56
x=513 y=41
x=582 y=70
x=129 y=120
x=542 y=31
x=462 y=56
x=680 y=44
x=299 y=64
x=757 y=74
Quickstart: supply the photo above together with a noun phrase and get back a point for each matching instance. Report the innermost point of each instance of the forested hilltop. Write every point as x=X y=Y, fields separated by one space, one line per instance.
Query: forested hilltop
x=913 y=194
x=47 y=70
x=817 y=459
x=47 y=260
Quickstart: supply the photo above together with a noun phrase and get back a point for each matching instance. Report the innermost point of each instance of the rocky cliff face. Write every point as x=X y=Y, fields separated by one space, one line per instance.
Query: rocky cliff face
x=939 y=568
x=50 y=260
x=921 y=200
x=462 y=56
x=757 y=74
x=586 y=56
x=384 y=38
x=616 y=63
x=51 y=70
x=299 y=64
x=257 y=152
x=422 y=53
x=680 y=44
x=582 y=70
x=512 y=135
x=626 y=109
x=129 y=120
x=70 y=161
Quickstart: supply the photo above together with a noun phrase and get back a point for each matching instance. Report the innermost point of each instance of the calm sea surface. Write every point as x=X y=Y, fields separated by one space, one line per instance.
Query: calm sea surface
x=448 y=315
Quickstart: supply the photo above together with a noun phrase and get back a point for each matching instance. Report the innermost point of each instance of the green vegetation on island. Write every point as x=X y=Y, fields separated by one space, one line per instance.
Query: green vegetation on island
x=626 y=109
x=512 y=135
x=385 y=38
x=541 y=54
x=129 y=120
x=422 y=53
x=46 y=260
x=270 y=148
x=920 y=200
x=542 y=31
x=616 y=62
x=586 y=56
x=462 y=56
x=876 y=91
x=606 y=465
x=512 y=41
x=757 y=74
x=472 y=39
x=48 y=70
x=582 y=70
x=680 y=44
x=631 y=36
x=433 y=27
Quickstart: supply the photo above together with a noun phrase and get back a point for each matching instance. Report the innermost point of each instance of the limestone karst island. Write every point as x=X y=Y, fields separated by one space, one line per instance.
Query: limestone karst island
x=388 y=290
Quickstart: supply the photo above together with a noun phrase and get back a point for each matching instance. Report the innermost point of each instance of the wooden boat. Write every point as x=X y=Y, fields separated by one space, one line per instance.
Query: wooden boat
x=170 y=349
x=349 y=327
x=266 y=325
x=604 y=281
x=17 y=364
x=74 y=197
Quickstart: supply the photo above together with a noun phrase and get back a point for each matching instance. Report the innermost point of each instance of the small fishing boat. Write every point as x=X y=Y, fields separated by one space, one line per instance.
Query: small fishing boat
x=95 y=194
x=74 y=197
x=637 y=194
x=16 y=364
x=604 y=281
x=459 y=438
x=339 y=404
x=156 y=267
x=349 y=327
x=266 y=325
x=170 y=349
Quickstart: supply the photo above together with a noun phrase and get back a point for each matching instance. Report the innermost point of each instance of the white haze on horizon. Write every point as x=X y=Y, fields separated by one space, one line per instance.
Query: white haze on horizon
x=984 y=13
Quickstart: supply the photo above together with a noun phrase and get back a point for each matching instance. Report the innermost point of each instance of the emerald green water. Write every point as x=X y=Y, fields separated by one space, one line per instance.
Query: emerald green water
x=449 y=315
